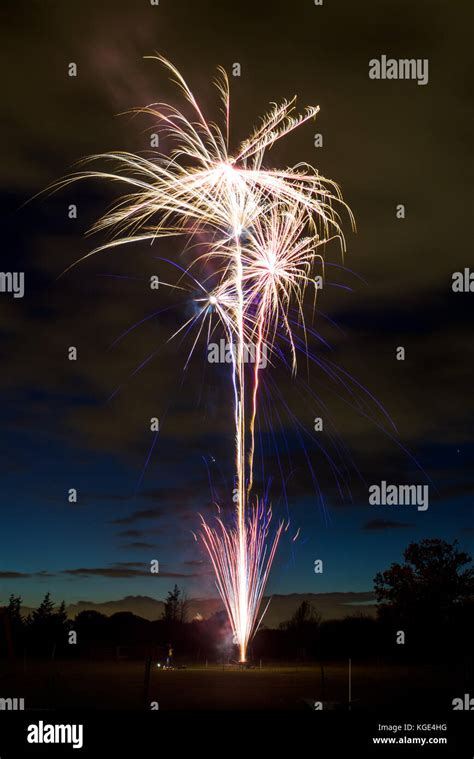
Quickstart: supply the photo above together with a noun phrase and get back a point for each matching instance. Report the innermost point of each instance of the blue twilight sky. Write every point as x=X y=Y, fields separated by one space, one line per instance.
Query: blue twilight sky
x=85 y=424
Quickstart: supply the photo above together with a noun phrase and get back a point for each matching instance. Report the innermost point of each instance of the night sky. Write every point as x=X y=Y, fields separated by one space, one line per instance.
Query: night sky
x=85 y=424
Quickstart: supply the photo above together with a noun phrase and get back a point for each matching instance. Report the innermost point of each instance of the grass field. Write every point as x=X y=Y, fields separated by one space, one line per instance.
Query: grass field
x=121 y=685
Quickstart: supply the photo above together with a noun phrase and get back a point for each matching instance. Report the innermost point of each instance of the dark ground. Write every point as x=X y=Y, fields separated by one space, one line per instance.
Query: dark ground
x=120 y=685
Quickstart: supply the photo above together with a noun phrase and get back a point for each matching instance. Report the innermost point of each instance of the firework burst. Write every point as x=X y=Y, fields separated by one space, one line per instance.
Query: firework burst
x=263 y=230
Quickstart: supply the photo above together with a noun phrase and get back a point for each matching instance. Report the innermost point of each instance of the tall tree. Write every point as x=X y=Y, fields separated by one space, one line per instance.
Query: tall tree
x=303 y=628
x=304 y=615
x=42 y=628
x=44 y=612
x=61 y=624
x=14 y=611
x=172 y=610
x=16 y=621
x=432 y=584
x=61 y=614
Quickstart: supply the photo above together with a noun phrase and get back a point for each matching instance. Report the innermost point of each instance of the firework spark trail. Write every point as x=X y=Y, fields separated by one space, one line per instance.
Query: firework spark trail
x=224 y=548
x=262 y=230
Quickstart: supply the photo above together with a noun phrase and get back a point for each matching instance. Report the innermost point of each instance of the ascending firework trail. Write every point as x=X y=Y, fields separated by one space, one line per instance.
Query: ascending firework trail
x=259 y=234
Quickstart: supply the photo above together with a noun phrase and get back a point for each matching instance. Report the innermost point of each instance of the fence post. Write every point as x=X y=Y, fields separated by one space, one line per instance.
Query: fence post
x=146 y=683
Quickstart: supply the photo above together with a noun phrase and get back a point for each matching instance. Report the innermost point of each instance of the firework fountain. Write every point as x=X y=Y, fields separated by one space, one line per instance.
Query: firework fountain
x=260 y=232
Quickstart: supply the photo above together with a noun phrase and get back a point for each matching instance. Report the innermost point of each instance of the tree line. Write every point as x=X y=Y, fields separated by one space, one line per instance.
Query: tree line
x=425 y=610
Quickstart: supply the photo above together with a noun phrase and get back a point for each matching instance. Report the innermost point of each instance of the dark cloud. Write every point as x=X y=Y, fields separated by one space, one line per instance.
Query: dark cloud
x=14 y=575
x=25 y=575
x=141 y=533
x=128 y=564
x=137 y=516
x=115 y=572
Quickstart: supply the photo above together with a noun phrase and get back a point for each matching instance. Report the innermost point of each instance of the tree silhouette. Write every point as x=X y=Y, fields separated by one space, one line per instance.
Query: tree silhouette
x=60 y=625
x=46 y=627
x=14 y=612
x=90 y=620
x=304 y=616
x=44 y=612
x=16 y=621
x=303 y=628
x=61 y=614
x=431 y=586
x=173 y=611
